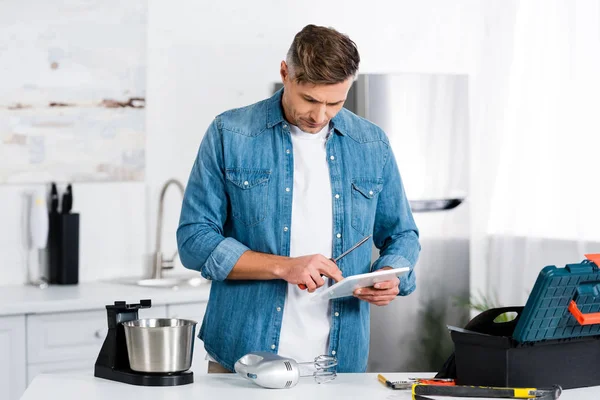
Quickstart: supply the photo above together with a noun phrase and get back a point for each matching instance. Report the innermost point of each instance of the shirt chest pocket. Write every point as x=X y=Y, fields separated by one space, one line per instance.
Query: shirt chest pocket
x=248 y=191
x=365 y=192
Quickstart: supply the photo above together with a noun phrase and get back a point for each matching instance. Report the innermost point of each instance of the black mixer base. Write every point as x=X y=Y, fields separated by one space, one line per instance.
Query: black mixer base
x=141 y=379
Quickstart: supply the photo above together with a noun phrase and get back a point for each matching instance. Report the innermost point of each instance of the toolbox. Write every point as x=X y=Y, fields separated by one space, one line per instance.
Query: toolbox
x=554 y=339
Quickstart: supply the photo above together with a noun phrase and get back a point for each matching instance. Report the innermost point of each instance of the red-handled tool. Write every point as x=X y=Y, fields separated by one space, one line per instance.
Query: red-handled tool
x=410 y=382
x=344 y=254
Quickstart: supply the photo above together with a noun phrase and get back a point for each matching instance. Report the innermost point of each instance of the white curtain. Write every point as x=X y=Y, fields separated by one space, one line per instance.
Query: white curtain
x=535 y=177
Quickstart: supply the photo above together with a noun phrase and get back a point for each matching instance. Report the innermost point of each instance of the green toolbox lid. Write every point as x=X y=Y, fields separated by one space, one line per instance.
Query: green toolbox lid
x=564 y=303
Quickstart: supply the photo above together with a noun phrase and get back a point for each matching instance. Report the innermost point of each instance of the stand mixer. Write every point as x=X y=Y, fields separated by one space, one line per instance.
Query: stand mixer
x=113 y=362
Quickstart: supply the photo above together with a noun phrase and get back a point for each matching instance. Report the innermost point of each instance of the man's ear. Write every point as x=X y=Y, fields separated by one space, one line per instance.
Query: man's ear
x=283 y=71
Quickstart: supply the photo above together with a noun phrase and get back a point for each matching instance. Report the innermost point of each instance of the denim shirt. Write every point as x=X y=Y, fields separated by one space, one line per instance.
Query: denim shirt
x=236 y=200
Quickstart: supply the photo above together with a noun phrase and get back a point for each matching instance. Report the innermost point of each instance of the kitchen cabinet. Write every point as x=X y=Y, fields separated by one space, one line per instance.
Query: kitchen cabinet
x=12 y=356
x=193 y=311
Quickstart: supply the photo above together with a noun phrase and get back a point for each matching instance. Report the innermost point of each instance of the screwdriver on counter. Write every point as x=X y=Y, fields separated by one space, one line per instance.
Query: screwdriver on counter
x=344 y=254
x=419 y=392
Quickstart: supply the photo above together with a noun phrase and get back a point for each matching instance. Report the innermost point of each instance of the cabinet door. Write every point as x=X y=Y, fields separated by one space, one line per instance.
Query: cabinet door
x=12 y=354
x=193 y=311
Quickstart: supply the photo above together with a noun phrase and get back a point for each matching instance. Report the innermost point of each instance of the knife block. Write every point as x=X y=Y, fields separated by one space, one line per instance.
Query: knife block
x=63 y=249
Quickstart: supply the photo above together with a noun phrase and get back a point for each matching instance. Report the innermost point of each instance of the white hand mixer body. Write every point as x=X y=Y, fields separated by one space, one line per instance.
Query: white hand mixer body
x=276 y=372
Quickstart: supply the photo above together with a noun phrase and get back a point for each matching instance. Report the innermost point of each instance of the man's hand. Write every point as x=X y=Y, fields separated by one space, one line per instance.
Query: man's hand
x=381 y=294
x=307 y=271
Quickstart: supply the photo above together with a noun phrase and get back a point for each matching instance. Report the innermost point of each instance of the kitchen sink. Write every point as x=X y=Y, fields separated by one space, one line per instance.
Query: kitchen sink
x=170 y=282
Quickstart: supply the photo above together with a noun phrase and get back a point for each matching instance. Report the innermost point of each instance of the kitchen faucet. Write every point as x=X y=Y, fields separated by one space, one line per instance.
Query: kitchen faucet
x=161 y=263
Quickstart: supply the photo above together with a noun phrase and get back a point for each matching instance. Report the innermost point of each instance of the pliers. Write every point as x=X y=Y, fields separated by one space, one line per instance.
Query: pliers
x=408 y=383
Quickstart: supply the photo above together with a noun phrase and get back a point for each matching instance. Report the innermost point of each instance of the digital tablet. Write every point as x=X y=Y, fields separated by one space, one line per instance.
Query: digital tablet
x=348 y=285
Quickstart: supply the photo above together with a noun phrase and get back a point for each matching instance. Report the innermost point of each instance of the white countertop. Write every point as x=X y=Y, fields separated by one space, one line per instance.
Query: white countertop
x=26 y=299
x=232 y=386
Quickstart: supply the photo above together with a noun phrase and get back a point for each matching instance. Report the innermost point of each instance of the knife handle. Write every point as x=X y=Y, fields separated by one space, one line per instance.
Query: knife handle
x=53 y=198
x=67 y=202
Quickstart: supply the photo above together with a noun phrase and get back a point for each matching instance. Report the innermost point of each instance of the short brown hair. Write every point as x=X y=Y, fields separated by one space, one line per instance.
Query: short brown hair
x=322 y=55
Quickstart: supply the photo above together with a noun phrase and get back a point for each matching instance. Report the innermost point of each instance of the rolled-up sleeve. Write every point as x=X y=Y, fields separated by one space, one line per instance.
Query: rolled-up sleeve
x=395 y=233
x=202 y=246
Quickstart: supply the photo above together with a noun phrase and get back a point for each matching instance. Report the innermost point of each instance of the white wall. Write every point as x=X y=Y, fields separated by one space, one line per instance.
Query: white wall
x=206 y=57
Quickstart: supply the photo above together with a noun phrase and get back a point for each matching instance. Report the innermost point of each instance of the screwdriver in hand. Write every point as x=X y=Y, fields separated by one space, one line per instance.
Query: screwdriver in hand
x=344 y=254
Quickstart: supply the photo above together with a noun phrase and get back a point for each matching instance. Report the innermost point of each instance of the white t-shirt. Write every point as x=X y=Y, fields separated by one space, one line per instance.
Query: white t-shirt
x=306 y=324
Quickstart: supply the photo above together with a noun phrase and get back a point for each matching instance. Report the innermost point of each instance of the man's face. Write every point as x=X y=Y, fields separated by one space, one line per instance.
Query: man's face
x=308 y=106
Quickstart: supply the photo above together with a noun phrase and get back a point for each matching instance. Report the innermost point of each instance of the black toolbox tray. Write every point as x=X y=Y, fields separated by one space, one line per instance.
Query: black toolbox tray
x=554 y=339
x=490 y=360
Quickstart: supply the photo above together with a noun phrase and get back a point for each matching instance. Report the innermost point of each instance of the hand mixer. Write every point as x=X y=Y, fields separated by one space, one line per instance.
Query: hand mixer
x=276 y=372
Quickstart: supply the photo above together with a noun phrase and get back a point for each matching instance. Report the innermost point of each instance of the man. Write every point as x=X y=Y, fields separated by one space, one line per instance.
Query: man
x=279 y=187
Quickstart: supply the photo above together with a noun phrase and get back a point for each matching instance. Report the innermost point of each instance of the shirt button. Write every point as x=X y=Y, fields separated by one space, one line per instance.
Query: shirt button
x=272 y=347
x=332 y=158
x=337 y=196
x=246 y=183
x=370 y=193
x=287 y=189
x=285 y=228
x=333 y=353
x=337 y=314
x=287 y=151
x=339 y=235
x=284 y=126
x=278 y=309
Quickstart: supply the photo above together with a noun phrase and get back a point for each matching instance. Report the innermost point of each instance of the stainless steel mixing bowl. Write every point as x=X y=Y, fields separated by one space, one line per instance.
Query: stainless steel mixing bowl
x=160 y=345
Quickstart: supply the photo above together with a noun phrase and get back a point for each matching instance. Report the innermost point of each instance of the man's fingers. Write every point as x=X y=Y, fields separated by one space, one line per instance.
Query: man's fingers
x=384 y=302
x=377 y=297
x=378 y=301
x=336 y=275
x=381 y=303
x=380 y=287
x=310 y=284
x=381 y=293
x=387 y=284
x=331 y=270
x=367 y=291
x=316 y=277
